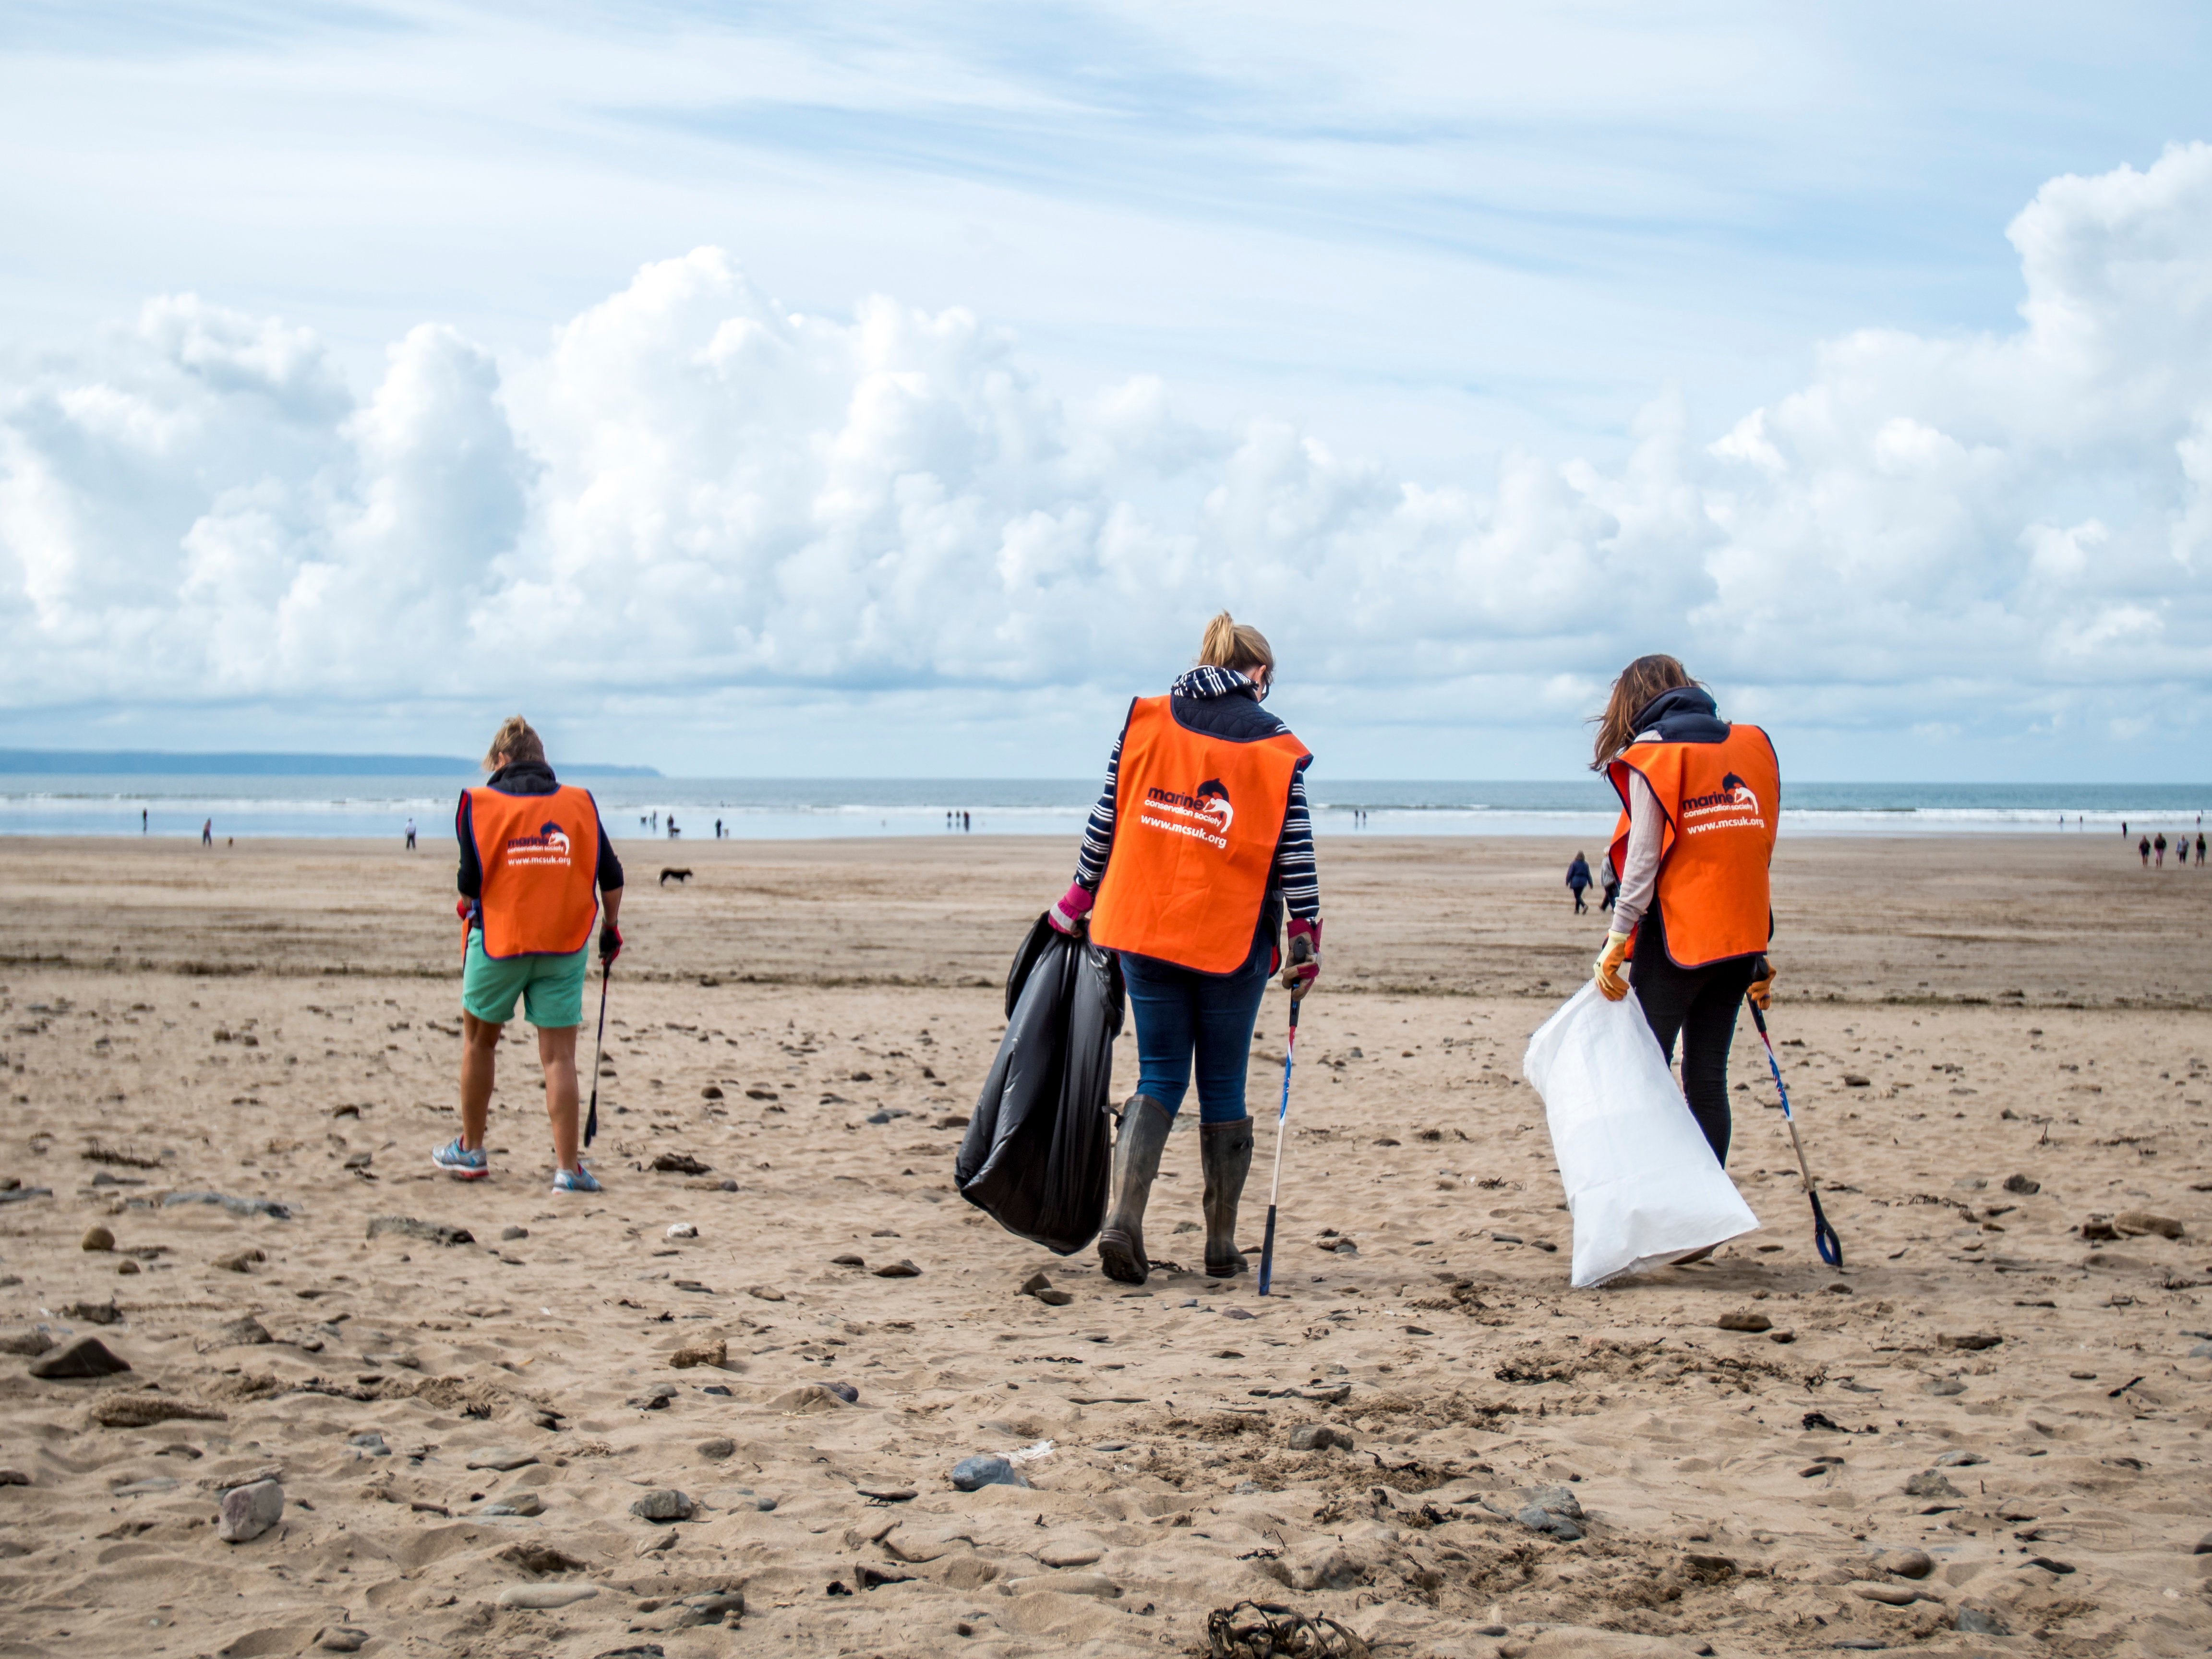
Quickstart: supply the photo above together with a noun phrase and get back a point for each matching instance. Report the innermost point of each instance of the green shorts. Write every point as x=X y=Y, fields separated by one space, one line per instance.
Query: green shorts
x=551 y=987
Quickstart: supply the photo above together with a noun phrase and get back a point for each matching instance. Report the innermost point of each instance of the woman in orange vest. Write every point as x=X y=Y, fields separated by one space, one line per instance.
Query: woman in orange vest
x=1699 y=801
x=532 y=852
x=1199 y=844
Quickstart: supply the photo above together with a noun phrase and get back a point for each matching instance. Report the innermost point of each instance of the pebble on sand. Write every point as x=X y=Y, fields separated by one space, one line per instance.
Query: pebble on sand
x=501 y=1458
x=97 y=1238
x=1972 y=1342
x=970 y=1474
x=1929 y=1484
x=340 y=1638
x=94 y=1313
x=1318 y=1436
x=86 y=1357
x=2024 y=1186
x=545 y=1597
x=1907 y=1563
x=241 y=1332
x=683 y=1230
x=1744 y=1320
x=249 y=1512
x=716 y=1449
x=31 y=1344
x=2133 y=1224
x=662 y=1505
x=899 y=1269
x=240 y=1260
x=712 y=1352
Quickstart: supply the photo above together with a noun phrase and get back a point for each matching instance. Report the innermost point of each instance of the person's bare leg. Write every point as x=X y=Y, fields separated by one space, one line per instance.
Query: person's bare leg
x=556 y=1052
x=479 y=1059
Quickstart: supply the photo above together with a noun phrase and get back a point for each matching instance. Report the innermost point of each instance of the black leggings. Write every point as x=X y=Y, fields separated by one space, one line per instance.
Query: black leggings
x=1699 y=1005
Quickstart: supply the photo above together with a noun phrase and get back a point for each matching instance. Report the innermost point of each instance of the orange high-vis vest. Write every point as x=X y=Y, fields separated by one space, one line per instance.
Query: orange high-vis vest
x=540 y=858
x=1721 y=801
x=1196 y=819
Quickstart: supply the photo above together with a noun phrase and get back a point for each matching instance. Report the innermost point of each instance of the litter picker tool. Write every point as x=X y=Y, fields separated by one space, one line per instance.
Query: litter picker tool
x=1824 y=1236
x=1282 y=1129
x=592 y=1122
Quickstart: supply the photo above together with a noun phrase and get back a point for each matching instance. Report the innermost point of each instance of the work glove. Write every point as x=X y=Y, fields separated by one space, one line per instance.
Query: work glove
x=1606 y=970
x=1070 y=907
x=1304 y=966
x=1761 y=990
x=610 y=943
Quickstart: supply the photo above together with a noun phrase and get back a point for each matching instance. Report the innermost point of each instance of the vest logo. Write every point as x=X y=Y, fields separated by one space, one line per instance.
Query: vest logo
x=1206 y=815
x=1736 y=796
x=549 y=846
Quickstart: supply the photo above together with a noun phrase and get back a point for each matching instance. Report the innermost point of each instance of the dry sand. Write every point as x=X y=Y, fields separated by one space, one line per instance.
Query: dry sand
x=279 y=1021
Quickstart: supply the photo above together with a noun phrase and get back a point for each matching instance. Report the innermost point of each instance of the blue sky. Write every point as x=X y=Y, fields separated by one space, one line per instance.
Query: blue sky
x=335 y=379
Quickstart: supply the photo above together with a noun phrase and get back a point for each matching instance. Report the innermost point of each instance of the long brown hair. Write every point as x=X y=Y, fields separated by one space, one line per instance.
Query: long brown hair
x=1639 y=684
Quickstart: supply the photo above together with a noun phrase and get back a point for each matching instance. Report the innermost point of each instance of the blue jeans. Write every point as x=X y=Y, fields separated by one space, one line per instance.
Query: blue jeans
x=1180 y=1012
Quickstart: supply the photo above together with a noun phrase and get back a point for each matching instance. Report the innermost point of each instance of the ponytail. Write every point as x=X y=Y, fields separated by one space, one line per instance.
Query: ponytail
x=1237 y=646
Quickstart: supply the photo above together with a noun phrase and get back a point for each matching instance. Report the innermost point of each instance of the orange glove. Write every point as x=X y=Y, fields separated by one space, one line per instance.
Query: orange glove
x=1606 y=970
x=1761 y=989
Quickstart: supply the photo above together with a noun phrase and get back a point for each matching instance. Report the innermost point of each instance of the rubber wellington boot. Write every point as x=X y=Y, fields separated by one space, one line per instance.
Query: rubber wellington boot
x=1144 y=1126
x=1225 y=1152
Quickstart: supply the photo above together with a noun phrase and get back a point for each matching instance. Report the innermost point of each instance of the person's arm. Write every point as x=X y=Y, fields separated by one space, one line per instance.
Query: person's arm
x=1098 y=830
x=1640 y=880
x=1295 y=873
x=470 y=878
x=610 y=874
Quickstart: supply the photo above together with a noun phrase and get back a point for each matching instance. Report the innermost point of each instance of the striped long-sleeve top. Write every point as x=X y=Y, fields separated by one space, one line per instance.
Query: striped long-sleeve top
x=1294 y=875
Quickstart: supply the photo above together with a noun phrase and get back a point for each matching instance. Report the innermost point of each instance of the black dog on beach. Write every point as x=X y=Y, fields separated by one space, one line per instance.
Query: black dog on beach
x=667 y=876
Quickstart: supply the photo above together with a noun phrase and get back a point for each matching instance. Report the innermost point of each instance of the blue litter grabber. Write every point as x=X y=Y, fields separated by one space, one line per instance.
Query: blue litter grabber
x=1282 y=1129
x=1824 y=1236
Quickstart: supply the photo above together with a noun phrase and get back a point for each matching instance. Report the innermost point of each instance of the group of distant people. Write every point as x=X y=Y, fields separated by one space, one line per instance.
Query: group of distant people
x=2152 y=850
x=959 y=821
x=1580 y=881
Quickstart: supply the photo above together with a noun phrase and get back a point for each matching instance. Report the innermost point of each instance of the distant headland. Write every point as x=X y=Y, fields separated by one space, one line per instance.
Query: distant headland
x=142 y=763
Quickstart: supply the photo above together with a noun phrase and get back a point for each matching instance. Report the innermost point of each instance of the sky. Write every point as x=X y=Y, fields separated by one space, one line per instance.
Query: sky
x=776 y=390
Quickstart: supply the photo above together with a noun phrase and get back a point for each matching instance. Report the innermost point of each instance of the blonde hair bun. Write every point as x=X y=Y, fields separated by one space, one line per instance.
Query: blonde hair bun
x=515 y=740
x=1233 y=645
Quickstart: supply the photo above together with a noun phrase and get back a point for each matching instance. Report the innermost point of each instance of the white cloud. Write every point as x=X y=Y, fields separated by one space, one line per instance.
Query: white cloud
x=692 y=489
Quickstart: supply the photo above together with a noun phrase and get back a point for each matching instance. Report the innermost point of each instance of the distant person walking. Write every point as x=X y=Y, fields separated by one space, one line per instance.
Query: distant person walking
x=1198 y=845
x=410 y=834
x=2158 y=851
x=1700 y=798
x=1612 y=882
x=207 y=833
x=1578 y=881
x=2200 y=849
x=532 y=852
x=141 y=820
x=2143 y=849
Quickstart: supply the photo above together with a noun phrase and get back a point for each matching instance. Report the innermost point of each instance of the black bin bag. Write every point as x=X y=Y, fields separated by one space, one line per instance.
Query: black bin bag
x=1037 y=1153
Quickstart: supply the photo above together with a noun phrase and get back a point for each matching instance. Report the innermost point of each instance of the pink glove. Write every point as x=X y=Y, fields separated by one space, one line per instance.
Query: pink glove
x=1070 y=907
x=1304 y=940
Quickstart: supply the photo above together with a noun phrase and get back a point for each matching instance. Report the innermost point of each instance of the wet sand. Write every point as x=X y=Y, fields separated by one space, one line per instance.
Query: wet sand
x=279 y=1021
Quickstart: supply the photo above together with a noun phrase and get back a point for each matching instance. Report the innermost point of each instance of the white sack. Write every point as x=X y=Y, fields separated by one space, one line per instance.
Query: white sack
x=1642 y=1184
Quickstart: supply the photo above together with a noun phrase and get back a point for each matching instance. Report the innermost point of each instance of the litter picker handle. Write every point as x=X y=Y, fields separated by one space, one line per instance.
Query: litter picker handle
x=1282 y=1124
x=592 y=1122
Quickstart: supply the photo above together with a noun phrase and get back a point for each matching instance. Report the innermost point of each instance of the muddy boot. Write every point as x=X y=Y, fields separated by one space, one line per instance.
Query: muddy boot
x=1144 y=1126
x=1224 y=1151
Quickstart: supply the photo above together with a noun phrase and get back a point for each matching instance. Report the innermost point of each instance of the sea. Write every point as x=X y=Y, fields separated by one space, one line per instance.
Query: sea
x=774 y=809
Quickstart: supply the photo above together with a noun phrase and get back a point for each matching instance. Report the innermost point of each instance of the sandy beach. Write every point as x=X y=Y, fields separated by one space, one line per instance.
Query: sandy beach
x=1986 y=1435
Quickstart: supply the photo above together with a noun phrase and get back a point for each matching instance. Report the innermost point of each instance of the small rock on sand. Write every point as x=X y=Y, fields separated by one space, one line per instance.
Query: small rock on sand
x=1943 y=1387
x=662 y=1505
x=508 y=1235
x=31 y=1344
x=86 y=1357
x=340 y=1638
x=249 y=1512
x=94 y=1313
x=1894 y=1596
x=545 y=1597
x=97 y=1238
x=2023 y=1185
x=1929 y=1484
x=501 y=1458
x=900 y=1269
x=1744 y=1320
x=1907 y=1563
x=241 y=1260
x=2133 y=1224
x=1318 y=1436
x=430 y=1232
x=703 y=1352
x=242 y=1333
x=140 y=1411
x=1070 y=1552
x=1972 y=1342
x=766 y=1292
x=717 y=1448
x=1067 y=1584
x=970 y=1474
